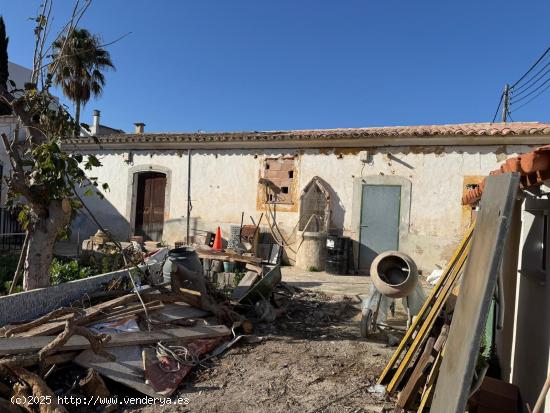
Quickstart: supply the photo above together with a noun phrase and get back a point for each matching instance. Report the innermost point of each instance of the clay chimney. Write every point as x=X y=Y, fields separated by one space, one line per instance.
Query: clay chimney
x=139 y=127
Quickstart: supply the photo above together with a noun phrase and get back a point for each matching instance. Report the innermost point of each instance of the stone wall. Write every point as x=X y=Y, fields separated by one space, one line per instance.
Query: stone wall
x=224 y=183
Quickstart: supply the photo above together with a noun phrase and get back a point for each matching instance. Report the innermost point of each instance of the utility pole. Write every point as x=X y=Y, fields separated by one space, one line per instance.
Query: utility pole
x=188 y=194
x=506 y=103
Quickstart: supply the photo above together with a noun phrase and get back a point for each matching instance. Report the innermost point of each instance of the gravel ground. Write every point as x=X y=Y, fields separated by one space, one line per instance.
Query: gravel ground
x=310 y=359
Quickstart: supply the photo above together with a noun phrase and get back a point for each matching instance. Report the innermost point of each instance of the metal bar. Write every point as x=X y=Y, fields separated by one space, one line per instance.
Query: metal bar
x=431 y=298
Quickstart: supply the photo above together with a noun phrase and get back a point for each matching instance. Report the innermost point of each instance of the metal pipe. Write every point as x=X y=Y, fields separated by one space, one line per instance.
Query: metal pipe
x=188 y=194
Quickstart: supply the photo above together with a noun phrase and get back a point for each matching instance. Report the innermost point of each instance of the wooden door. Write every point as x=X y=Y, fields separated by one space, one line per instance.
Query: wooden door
x=150 y=205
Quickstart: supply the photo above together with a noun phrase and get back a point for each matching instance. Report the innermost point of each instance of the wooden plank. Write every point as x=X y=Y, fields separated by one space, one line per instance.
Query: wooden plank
x=177 y=311
x=428 y=322
x=244 y=285
x=191 y=297
x=125 y=314
x=127 y=369
x=21 y=345
x=408 y=395
x=90 y=313
x=418 y=378
x=417 y=321
x=478 y=284
x=427 y=394
x=256 y=268
x=124 y=310
x=225 y=256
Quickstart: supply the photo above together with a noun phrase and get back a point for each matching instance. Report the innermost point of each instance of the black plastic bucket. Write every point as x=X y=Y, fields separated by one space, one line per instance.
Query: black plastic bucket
x=338 y=253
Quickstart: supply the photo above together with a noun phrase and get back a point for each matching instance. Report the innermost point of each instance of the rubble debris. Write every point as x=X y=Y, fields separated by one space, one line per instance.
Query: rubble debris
x=135 y=336
x=35 y=387
x=164 y=370
x=93 y=385
x=148 y=337
x=244 y=285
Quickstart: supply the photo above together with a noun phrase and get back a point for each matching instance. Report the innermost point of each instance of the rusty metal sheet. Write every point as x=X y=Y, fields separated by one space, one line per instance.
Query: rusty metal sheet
x=479 y=280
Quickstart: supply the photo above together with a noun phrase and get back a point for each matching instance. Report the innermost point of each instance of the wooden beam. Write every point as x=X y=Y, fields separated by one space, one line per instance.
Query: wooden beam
x=226 y=256
x=21 y=345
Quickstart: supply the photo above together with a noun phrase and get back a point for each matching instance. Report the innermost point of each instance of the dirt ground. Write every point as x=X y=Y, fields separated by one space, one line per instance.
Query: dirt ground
x=311 y=359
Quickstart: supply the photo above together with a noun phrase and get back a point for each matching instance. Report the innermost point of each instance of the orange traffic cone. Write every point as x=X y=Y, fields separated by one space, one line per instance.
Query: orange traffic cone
x=218 y=240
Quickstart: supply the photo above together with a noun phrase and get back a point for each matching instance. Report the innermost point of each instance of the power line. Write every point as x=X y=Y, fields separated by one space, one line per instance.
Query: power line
x=531 y=68
x=498 y=108
x=510 y=116
x=533 y=91
x=534 y=97
x=511 y=94
x=517 y=91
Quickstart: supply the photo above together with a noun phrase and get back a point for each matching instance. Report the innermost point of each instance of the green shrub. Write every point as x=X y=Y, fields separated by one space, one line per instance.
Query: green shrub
x=64 y=271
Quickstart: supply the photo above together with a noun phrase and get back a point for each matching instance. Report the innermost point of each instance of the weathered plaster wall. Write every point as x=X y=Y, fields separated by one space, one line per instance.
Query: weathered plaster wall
x=224 y=184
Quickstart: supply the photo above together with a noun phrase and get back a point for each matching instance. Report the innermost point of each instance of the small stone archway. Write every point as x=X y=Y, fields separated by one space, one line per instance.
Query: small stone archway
x=315 y=212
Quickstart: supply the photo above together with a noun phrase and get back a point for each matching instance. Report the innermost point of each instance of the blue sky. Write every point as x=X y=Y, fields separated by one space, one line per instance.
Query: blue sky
x=286 y=64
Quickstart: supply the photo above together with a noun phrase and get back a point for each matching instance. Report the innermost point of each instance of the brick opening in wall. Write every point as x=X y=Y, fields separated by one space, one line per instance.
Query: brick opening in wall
x=280 y=173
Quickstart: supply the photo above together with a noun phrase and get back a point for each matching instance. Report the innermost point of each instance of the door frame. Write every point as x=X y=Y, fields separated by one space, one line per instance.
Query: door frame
x=357 y=205
x=131 y=197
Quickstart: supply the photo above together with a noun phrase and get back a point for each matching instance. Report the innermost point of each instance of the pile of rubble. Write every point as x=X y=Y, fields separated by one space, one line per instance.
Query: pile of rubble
x=147 y=338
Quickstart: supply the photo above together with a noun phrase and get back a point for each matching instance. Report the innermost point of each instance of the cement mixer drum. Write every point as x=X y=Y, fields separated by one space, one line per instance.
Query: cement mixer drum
x=394 y=274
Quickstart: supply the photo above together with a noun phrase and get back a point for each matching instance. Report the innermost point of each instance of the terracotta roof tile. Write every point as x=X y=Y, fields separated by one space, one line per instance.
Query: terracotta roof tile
x=464 y=129
x=534 y=168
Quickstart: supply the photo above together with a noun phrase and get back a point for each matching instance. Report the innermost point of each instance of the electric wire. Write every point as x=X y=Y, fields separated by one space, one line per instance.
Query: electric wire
x=496 y=112
x=530 y=93
x=526 y=87
x=533 y=98
x=519 y=91
x=531 y=68
x=509 y=115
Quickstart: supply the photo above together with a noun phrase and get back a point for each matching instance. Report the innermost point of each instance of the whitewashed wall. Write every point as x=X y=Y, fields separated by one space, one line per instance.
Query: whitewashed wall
x=224 y=184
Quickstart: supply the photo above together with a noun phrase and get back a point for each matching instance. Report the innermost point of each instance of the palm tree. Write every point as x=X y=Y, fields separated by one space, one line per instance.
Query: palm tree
x=80 y=62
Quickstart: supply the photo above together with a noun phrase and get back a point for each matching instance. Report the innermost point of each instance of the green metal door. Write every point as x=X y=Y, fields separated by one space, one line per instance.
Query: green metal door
x=379 y=227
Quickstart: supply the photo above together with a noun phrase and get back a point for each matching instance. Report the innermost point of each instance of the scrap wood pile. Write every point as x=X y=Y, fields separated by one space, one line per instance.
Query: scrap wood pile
x=147 y=341
x=414 y=378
